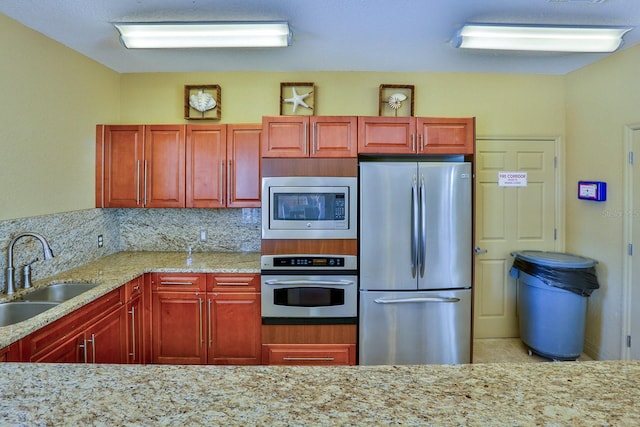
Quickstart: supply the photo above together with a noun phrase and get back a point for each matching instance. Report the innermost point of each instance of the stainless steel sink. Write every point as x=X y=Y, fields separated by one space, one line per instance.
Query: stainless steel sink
x=58 y=292
x=14 y=312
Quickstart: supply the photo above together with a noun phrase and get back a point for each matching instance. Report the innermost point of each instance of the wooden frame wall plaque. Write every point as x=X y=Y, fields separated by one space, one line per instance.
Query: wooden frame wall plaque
x=396 y=100
x=202 y=102
x=297 y=99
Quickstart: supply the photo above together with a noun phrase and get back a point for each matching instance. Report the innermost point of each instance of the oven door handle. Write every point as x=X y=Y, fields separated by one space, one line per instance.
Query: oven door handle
x=310 y=282
x=418 y=299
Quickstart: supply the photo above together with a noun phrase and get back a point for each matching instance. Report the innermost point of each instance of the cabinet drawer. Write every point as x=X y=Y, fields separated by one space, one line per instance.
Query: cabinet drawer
x=308 y=354
x=178 y=282
x=133 y=289
x=234 y=282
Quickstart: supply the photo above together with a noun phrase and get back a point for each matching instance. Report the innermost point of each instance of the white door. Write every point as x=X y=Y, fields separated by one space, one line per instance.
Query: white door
x=509 y=219
x=632 y=218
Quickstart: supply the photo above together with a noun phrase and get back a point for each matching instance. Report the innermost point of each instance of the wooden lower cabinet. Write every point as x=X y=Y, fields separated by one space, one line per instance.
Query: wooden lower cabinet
x=93 y=334
x=196 y=324
x=309 y=354
x=10 y=353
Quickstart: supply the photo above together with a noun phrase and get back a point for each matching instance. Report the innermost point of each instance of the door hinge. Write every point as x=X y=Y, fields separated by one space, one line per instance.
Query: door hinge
x=630 y=249
x=555 y=234
x=555 y=162
x=629 y=341
x=630 y=157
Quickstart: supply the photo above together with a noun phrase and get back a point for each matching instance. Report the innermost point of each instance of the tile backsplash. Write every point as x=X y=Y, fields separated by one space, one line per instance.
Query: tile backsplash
x=73 y=236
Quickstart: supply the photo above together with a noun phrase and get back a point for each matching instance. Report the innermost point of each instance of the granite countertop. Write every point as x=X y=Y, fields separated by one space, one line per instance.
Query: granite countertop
x=113 y=271
x=551 y=394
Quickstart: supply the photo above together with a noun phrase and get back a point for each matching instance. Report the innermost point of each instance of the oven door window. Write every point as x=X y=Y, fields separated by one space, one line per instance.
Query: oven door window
x=308 y=206
x=308 y=297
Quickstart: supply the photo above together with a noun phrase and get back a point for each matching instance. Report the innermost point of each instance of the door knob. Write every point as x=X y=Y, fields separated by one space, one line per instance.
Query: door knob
x=479 y=251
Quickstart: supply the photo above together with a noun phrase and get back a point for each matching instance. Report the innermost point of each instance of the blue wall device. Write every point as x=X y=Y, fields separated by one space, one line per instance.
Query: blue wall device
x=592 y=190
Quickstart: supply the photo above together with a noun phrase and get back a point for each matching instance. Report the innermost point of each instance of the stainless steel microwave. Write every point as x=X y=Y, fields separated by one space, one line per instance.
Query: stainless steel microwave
x=308 y=207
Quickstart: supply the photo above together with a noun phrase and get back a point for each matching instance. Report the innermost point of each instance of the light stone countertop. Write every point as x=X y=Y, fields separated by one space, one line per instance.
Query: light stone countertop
x=549 y=394
x=113 y=271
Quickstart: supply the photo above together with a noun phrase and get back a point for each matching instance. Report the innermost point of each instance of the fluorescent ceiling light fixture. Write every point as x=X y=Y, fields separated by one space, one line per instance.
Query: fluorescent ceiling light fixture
x=540 y=38
x=177 y=35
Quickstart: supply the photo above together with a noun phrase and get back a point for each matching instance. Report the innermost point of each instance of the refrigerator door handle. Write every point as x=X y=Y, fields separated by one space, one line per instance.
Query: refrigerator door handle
x=414 y=227
x=423 y=227
x=417 y=299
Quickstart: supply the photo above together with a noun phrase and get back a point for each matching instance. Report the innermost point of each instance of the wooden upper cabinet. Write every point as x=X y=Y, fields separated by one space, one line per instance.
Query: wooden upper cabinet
x=309 y=136
x=206 y=158
x=140 y=166
x=243 y=165
x=164 y=166
x=416 y=135
x=446 y=135
x=223 y=166
x=119 y=155
x=386 y=135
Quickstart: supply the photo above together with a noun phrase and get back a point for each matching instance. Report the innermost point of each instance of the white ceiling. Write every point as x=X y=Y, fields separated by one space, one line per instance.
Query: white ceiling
x=328 y=35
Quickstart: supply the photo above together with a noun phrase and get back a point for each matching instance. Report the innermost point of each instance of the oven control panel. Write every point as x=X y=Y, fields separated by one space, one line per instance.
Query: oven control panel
x=305 y=261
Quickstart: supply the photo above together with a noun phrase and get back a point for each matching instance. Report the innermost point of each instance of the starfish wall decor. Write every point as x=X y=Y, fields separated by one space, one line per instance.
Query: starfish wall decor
x=301 y=95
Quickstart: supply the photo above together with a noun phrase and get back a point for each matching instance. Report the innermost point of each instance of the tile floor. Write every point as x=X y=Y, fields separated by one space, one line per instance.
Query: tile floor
x=506 y=350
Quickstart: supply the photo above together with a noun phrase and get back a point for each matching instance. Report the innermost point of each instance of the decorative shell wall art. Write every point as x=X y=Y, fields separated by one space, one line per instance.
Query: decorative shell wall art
x=297 y=98
x=396 y=100
x=202 y=102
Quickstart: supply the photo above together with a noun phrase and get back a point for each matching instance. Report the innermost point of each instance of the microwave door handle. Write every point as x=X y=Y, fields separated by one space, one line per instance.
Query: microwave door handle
x=414 y=227
x=309 y=282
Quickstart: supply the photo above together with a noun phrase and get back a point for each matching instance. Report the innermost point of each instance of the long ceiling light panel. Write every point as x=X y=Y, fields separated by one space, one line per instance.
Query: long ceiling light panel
x=540 y=38
x=183 y=35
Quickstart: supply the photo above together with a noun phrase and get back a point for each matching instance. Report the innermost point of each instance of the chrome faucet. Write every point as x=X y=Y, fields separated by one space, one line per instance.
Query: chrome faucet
x=10 y=287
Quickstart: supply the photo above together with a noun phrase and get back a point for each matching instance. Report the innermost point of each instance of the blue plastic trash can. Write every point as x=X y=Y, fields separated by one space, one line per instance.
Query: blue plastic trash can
x=553 y=288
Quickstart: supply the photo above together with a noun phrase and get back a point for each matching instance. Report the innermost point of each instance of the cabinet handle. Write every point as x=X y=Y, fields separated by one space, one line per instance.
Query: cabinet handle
x=83 y=347
x=229 y=183
x=232 y=284
x=313 y=359
x=136 y=288
x=209 y=321
x=93 y=348
x=145 y=183
x=138 y=182
x=413 y=143
x=163 y=283
x=133 y=334
x=221 y=181
x=304 y=139
x=200 y=316
x=313 y=139
x=421 y=142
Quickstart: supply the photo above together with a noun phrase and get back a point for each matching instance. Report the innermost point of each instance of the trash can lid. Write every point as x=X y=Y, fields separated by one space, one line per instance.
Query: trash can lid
x=555 y=259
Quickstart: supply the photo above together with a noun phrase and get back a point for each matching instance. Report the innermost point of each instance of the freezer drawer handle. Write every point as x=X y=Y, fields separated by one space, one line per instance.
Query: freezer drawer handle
x=421 y=299
x=309 y=282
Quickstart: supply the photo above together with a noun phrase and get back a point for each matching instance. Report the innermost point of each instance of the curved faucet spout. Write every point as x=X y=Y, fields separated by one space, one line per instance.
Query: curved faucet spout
x=48 y=254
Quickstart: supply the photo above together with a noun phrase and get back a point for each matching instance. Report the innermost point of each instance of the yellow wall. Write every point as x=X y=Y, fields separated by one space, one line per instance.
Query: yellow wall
x=505 y=105
x=601 y=99
x=50 y=100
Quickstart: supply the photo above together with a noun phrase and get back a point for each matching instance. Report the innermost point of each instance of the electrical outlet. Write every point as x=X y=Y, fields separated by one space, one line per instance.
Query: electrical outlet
x=203 y=235
x=100 y=241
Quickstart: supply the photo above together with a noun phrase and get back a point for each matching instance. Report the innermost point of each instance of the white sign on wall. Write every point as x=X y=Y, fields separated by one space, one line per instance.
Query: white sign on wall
x=512 y=179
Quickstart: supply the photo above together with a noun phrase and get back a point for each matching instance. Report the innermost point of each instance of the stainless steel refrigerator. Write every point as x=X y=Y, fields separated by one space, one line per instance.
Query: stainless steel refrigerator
x=415 y=263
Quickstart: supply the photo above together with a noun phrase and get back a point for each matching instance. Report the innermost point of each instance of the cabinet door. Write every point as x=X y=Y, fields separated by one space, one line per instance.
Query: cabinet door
x=243 y=165
x=11 y=353
x=205 y=176
x=234 y=328
x=178 y=328
x=122 y=166
x=106 y=339
x=285 y=136
x=446 y=135
x=70 y=349
x=164 y=166
x=386 y=135
x=334 y=136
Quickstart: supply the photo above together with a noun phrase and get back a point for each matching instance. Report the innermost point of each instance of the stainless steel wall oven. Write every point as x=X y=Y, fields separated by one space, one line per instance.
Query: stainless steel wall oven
x=309 y=289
